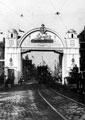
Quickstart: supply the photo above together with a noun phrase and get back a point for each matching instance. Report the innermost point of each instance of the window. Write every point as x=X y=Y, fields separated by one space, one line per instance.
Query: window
x=72 y=35
x=11 y=35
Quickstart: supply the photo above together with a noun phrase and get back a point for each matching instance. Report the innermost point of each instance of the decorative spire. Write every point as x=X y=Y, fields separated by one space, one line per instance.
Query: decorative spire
x=42 y=29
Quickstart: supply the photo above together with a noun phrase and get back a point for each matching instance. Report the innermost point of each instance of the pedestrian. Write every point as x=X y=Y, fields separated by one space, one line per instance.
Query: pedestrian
x=21 y=81
x=5 y=82
x=75 y=69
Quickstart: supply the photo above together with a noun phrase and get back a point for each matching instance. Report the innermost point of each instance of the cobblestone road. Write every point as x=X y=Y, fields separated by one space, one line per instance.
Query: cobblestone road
x=24 y=104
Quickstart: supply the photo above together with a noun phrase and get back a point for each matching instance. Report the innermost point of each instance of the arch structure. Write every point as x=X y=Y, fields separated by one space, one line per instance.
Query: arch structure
x=44 y=39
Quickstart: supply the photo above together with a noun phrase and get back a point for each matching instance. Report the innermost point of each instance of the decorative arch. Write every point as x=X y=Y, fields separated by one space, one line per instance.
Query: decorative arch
x=39 y=29
x=48 y=40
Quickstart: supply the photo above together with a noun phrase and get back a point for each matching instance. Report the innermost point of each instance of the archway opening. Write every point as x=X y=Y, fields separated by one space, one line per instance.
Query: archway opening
x=42 y=66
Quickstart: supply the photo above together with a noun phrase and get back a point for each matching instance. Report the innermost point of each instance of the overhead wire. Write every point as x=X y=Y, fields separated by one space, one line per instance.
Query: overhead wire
x=22 y=16
x=63 y=5
x=59 y=12
x=63 y=22
x=53 y=5
x=13 y=10
x=10 y=8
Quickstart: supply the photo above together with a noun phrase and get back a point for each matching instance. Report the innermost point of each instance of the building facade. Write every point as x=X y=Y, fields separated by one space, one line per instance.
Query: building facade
x=81 y=37
x=2 y=60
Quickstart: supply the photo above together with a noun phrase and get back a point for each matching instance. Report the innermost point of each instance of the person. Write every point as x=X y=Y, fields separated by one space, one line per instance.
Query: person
x=21 y=81
x=5 y=81
x=75 y=69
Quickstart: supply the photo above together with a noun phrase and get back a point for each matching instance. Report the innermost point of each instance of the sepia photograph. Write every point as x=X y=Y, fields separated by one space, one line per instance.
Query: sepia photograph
x=42 y=59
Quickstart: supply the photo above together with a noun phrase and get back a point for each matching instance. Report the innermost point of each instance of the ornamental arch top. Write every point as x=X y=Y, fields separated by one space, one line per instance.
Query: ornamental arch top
x=44 y=34
x=41 y=38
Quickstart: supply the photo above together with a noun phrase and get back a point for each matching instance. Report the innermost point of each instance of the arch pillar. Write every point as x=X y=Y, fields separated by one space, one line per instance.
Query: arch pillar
x=15 y=64
x=18 y=65
x=12 y=56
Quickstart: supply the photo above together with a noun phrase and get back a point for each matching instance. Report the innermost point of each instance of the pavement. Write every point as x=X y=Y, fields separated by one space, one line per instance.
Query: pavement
x=24 y=103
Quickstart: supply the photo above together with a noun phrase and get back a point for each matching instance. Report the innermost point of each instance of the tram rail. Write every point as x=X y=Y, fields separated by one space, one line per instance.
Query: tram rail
x=53 y=108
x=67 y=97
x=64 y=106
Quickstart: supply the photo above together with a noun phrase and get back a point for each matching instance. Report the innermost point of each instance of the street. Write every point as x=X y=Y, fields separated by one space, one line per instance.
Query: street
x=24 y=102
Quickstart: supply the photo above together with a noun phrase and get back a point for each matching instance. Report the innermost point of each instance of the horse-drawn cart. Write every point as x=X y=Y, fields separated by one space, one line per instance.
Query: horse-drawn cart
x=74 y=79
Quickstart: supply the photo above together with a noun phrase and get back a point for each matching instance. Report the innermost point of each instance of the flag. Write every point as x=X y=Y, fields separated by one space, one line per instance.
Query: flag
x=21 y=30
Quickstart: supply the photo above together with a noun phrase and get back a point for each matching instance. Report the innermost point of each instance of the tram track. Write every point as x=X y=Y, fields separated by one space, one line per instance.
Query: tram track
x=64 y=106
x=53 y=108
x=67 y=97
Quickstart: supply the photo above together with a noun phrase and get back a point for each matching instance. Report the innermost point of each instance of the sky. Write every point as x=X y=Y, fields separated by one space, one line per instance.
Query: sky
x=29 y=14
